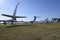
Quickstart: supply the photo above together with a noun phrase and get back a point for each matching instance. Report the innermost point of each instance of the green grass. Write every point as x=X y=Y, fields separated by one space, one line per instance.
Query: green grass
x=30 y=32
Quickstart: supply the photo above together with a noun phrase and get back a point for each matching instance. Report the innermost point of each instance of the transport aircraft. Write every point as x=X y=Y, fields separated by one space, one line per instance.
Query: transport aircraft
x=12 y=16
x=33 y=21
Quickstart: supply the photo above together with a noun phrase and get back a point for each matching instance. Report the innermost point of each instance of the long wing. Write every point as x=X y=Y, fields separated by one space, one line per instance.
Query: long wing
x=5 y=20
x=9 y=21
x=20 y=16
x=7 y=15
x=2 y=20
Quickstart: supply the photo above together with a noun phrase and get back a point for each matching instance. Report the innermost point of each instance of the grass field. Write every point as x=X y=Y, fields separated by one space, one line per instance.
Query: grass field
x=30 y=32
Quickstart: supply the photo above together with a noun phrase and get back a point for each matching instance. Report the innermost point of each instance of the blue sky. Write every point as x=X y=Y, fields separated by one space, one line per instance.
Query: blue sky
x=30 y=8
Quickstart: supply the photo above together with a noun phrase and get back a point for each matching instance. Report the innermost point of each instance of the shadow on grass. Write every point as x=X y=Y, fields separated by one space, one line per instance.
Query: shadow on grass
x=11 y=26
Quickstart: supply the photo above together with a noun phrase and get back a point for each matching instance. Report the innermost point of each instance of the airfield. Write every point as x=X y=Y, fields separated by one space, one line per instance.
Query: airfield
x=32 y=30
x=46 y=31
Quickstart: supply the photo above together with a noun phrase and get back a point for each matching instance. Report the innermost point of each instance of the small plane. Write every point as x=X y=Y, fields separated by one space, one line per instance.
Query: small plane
x=12 y=16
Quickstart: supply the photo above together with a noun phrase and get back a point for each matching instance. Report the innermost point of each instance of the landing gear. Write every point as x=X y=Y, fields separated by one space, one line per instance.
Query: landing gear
x=12 y=22
x=4 y=22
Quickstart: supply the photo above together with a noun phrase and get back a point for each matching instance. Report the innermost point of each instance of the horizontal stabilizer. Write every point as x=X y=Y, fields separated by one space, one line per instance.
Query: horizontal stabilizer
x=14 y=16
x=20 y=17
x=7 y=15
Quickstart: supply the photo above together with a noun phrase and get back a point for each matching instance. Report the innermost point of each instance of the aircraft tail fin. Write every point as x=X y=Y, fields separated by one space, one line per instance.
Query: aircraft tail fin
x=14 y=14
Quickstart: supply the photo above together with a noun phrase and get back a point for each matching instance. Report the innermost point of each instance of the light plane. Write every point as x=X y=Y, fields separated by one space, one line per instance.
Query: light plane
x=12 y=16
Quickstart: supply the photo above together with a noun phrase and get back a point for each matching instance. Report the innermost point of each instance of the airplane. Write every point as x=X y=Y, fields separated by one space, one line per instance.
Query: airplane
x=34 y=20
x=46 y=20
x=12 y=16
x=35 y=17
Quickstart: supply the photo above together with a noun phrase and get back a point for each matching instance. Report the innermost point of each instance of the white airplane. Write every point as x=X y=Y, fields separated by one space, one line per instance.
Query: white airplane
x=12 y=16
x=34 y=20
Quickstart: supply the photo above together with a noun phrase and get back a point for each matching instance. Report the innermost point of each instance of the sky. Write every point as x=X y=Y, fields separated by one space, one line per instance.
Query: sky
x=29 y=8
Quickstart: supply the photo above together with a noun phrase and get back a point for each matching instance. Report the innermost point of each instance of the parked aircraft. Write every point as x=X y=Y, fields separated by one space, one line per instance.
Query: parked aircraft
x=35 y=17
x=46 y=20
x=12 y=16
x=34 y=20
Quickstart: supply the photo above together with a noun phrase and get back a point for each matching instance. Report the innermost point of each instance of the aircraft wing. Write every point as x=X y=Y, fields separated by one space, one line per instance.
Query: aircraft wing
x=8 y=21
x=20 y=17
x=2 y=20
x=7 y=15
x=5 y=20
